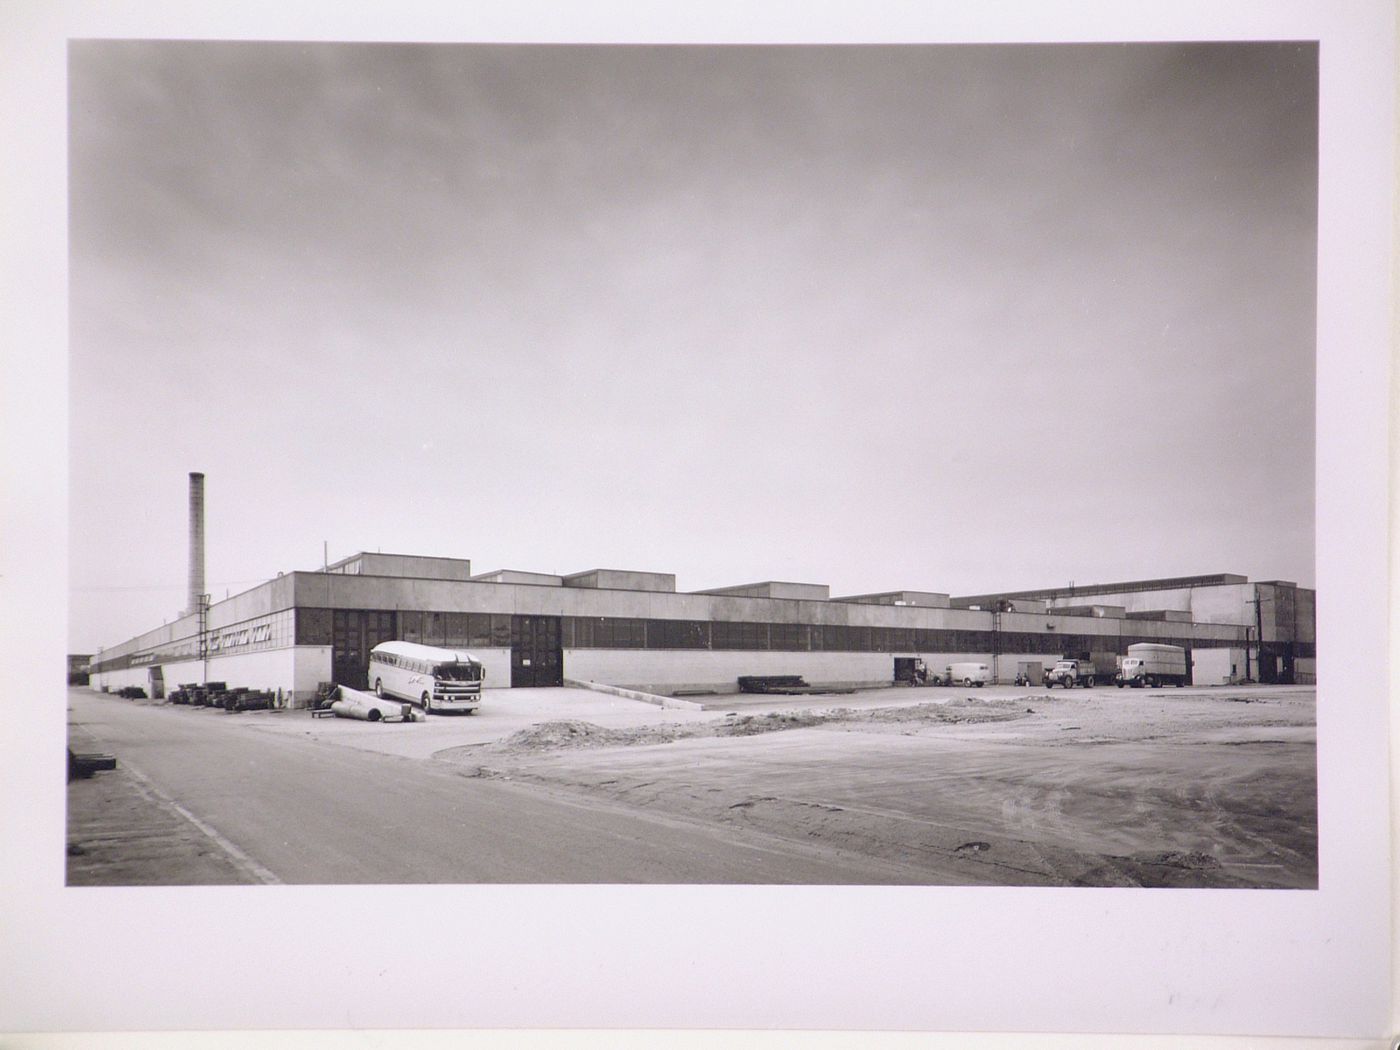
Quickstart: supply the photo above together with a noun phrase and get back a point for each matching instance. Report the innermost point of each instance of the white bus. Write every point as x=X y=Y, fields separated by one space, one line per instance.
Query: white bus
x=439 y=679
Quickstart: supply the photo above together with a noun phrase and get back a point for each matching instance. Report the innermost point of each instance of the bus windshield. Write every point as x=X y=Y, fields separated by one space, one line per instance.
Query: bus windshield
x=454 y=672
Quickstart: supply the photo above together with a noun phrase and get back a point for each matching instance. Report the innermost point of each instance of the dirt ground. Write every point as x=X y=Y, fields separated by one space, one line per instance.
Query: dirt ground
x=1104 y=787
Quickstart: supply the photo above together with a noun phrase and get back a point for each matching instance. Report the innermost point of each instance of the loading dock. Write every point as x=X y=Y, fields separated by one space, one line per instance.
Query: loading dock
x=536 y=656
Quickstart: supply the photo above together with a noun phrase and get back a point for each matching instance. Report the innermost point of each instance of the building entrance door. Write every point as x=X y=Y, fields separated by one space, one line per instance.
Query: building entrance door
x=354 y=632
x=536 y=657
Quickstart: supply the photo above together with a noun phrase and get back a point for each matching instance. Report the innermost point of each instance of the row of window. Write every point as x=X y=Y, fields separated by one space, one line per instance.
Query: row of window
x=625 y=633
x=404 y=663
x=266 y=632
x=451 y=630
x=350 y=630
x=493 y=630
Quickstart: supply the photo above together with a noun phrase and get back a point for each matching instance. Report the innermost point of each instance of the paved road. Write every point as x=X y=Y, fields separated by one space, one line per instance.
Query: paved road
x=278 y=807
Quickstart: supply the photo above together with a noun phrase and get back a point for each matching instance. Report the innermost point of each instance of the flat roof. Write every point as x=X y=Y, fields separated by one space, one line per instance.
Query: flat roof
x=1078 y=590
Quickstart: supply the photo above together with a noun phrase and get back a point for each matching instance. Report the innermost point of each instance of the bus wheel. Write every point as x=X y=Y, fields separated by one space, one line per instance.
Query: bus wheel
x=379 y=688
x=427 y=704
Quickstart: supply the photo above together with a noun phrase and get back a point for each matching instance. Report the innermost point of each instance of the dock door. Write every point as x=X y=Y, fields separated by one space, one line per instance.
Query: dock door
x=354 y=632
x=536 y=657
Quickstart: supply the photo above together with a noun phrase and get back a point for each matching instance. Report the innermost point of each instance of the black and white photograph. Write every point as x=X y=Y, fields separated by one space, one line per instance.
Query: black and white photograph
x=727 y=469
x=947 y=319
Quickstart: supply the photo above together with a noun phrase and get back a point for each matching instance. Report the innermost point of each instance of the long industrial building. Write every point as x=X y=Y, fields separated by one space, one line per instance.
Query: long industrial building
x=634 y=630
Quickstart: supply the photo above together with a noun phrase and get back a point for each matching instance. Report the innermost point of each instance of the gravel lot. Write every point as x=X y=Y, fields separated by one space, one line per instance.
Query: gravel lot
x=1185 y=788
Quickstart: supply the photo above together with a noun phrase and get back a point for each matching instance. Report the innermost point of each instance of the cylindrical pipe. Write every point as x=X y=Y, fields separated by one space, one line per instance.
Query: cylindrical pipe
x=196 y=541
x=351 y=703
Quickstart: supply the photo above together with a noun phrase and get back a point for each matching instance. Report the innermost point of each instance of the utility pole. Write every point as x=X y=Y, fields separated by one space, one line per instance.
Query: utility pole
x=202 y=608
x=996 y=637
x=1257 y=601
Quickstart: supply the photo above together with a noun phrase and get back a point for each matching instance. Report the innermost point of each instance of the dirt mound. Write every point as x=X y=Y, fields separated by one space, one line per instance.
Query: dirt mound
x=1193 y=860
x=565 y=734
x=751 y=725
x=962 y=710
x=547 y=736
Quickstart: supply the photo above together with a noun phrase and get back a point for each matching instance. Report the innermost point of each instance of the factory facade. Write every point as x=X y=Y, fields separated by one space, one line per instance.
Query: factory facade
x=635 y=630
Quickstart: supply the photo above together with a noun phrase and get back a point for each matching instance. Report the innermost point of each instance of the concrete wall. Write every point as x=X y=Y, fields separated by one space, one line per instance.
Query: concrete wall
x=328 y=591
x=1224 y=603
x=375 y=564
x=1217 y=666
x=496 y=664
x=111 y=681
x=1105 y=612
x=1227 y=604
x=1306 y=606
x=1007 y=665
x=927 y=599
x=622 y=580
x=513 y=576
x=666 y=670
x=296 y=671
x=272 y=596
x=1305 y=671
x=805 y=592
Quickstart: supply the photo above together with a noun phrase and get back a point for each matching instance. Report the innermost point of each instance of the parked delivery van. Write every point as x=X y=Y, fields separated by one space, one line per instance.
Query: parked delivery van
x=969 y=674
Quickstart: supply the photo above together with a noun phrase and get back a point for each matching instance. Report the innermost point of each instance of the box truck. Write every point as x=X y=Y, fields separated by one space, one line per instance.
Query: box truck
x=1150 y=664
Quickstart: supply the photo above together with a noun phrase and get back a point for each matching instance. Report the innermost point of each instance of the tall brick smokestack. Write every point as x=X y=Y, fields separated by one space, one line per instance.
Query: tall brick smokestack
x=196 y=541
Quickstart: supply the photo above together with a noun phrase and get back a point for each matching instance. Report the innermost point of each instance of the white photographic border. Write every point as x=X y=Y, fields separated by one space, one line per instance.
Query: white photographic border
x=1249 y=962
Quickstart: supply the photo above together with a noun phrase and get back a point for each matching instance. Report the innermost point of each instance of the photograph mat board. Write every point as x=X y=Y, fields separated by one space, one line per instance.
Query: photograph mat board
x=1218 y=961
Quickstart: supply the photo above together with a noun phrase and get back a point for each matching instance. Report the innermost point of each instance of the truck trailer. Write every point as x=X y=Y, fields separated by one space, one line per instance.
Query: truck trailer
x=1150 y=664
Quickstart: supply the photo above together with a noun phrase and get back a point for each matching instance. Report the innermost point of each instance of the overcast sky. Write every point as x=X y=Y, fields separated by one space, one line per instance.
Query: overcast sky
x=953 y=318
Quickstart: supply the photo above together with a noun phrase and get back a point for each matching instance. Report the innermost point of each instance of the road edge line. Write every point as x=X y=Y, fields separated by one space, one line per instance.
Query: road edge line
x=240 y=859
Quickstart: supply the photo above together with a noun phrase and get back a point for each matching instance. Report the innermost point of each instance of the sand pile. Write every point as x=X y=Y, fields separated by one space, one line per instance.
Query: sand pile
x=570 y=734
x=549 y=736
